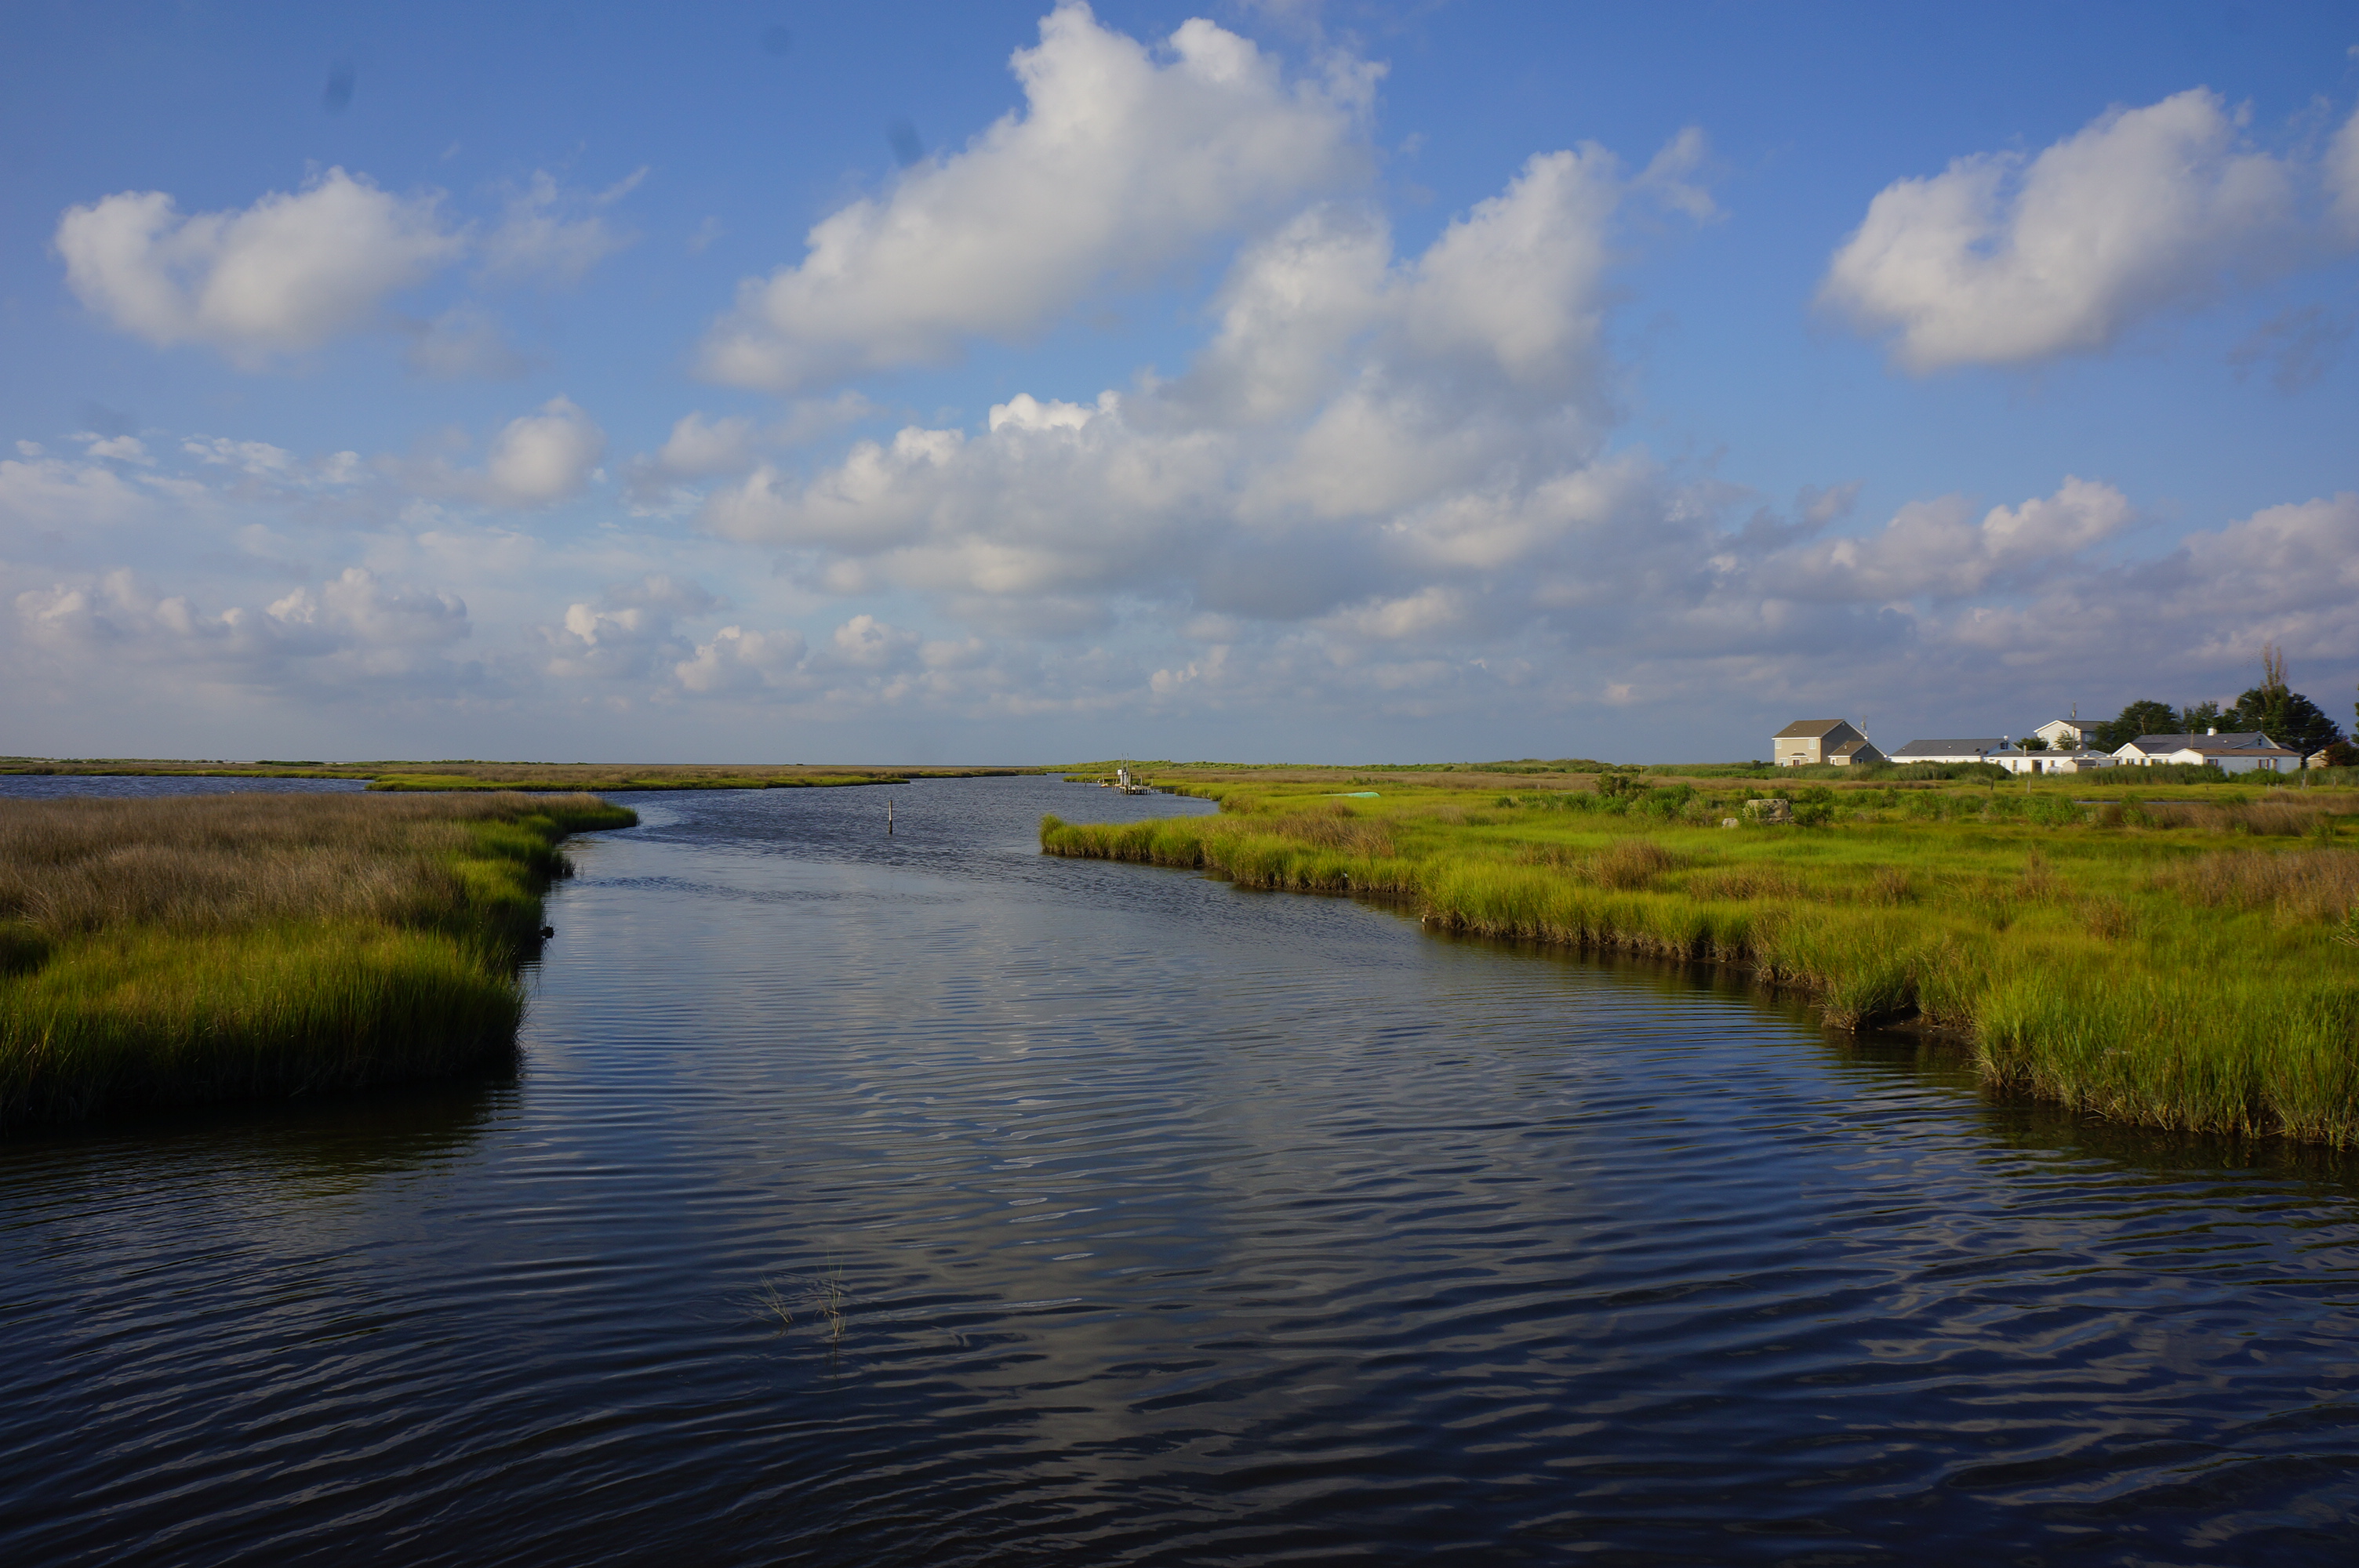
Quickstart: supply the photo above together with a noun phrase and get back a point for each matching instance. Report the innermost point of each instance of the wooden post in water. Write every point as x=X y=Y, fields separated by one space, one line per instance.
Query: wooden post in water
x=888 y=816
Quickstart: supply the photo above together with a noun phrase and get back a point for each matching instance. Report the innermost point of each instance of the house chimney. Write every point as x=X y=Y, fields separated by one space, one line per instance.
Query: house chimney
x=2213 y=730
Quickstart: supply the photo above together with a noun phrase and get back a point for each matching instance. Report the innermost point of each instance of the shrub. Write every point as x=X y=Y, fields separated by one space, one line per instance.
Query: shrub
x=2146 y=777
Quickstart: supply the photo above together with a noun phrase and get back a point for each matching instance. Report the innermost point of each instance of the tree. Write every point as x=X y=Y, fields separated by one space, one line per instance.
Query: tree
x=2146 y=717
x=2205 y=715
x=2289 y=719
x=2281 y=713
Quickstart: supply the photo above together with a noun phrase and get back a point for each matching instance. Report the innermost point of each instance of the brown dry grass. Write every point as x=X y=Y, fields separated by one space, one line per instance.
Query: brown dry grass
x=2268 y=819
x=2039 y=883
x=2109 y=918
x=226 y=861
x=1889 y=886
x=2303 y=884
x=1335 y=827
x=1626 y=863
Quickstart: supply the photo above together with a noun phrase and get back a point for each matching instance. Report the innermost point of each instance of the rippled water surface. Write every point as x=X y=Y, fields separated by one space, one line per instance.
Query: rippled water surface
x=924 y=1200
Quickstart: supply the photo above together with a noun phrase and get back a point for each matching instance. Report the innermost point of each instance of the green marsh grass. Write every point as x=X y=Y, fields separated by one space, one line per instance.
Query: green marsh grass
x=2190 y=962
x=176 y=951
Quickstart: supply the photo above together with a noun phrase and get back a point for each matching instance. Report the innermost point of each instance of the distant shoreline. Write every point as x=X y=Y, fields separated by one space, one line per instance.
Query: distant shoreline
x=563 y=778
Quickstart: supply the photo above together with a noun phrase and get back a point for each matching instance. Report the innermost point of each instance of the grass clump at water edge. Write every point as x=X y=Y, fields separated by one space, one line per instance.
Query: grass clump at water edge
x=177 y=951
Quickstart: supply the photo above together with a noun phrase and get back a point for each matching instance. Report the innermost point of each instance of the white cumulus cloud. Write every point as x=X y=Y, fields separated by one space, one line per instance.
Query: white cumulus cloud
x=353 y=625
x=738 y=662
x=551 y=233
x=2342 y=177
x=50 y=492
x=2001 y=260
x=1361 y=430
x=1937 y=549
x=631 y=632
x=702 y=449
x=544 y=456
x=285 y=275
x=1119 y=162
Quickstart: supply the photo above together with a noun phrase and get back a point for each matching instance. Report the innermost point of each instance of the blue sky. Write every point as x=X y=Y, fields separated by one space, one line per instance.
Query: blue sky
x=987 y=382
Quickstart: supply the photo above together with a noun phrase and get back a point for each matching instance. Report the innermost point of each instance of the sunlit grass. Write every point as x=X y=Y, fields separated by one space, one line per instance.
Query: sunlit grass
x=2177 y=963
x=183 y=950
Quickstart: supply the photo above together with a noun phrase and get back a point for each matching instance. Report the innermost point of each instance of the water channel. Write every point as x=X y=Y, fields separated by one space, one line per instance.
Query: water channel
x=924 y=1200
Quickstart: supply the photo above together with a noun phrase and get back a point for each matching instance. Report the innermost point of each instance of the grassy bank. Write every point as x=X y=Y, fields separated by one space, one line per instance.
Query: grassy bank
x=213 y=947
x=460 y=774
x=2186 y=958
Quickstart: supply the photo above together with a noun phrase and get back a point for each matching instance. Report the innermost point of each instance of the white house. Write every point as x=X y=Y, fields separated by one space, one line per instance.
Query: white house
x=2065 y=734
x=2245 y=752
x=2002 y=752
x=2080 y=760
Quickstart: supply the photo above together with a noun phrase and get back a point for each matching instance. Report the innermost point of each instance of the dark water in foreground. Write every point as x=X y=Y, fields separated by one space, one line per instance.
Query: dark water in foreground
x=1126 y=1218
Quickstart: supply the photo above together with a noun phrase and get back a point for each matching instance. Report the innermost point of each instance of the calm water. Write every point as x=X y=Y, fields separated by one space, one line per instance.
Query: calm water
x=1124 y=1218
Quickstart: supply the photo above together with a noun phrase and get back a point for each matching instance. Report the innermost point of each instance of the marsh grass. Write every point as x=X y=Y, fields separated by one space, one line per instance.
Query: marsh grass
x=1890 y=885
x=2299 y=885
x=823 y=1295
x=2191 y=962
x=831 y=1301
x=1626 y=863
x=200 y=948
x=772 y=1304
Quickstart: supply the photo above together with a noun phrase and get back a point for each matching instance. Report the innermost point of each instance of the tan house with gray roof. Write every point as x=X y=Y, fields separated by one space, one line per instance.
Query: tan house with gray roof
x=1808 y=742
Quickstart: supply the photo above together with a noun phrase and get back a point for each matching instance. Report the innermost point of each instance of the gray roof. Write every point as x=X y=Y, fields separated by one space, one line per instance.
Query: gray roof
x=1807 y=728
x=2242 y=740
x=1952 y=748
